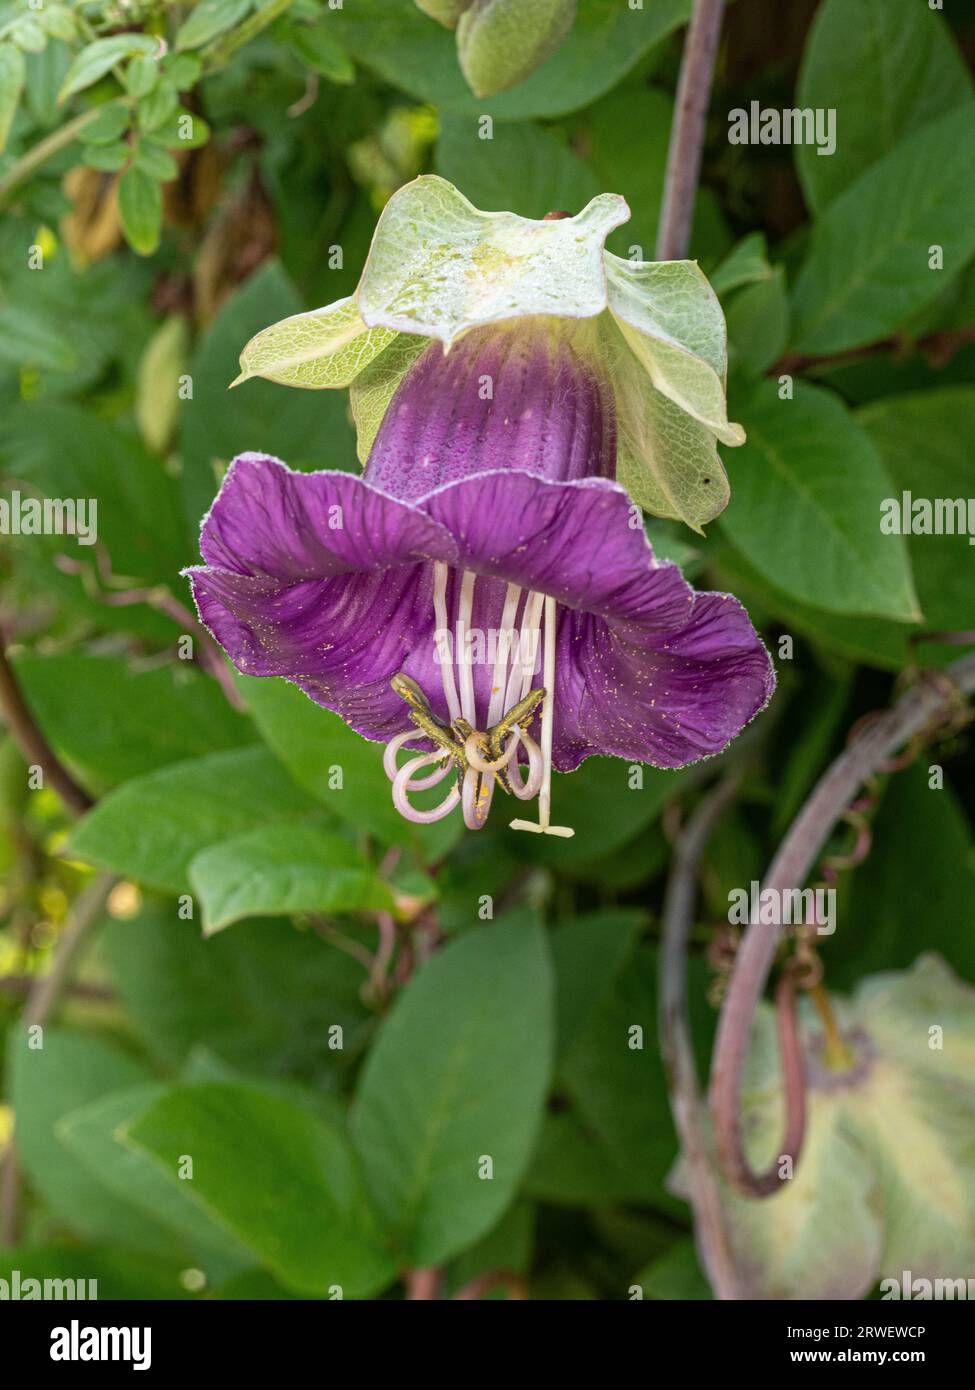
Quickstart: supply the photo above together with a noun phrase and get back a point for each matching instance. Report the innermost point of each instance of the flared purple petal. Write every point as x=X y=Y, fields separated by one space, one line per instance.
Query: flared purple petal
x=645 y=668
x=316 y=577
x=666 y=699
x=582 y=543
x=522 y=397
x=268 y=520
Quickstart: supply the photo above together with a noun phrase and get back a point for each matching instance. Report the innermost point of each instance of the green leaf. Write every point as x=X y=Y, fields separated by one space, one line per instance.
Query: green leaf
x=868 y=266
x=154 y=161
x=46 y=1083
x=282 y=869
x=675 y=1276
x=177 y=128
x=873 y=641
x=118 y=1274
x=58 y=21
x=64 y=451
x=210 y=18
x=806 y=507
x=184 y=70
x=12 y=71
x=588 y=953
x=99 y=57
x=111 y=123
x=606 y=810
x=445 y=12
x=522 y=168
x=263 y=996
x=501 y=42
x=457 y=1075
x=746 y=263
x=758 y=324
x=283 y=1181
x=111 y=722
x=151 y=828
x=921 y=870
x=91 y=1132
x=615 y=1079
x=45 y=73
x=141 y=75
x=107 y=158
x=400 y=44
x=339 y=767
x=325 y=348
x=886 y=67
x=158 y=107
x=140 y=210
x=26 y=339
x=317 y=49
x=925 y=440
x=29 y=34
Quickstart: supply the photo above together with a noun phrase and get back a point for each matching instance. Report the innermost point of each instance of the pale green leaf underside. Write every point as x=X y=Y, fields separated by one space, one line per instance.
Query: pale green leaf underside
x=325 y=348
x=667 y=460
x=439 y=267
x=674 y=326
x=372 y=391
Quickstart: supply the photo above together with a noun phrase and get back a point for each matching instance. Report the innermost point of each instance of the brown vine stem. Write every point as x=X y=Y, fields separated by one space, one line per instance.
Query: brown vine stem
x=44 y=150
x=687 y=134
x=710 y=1227
x=32 y=743
x=922 y=707
x=423 y=1284
x=42 y=1000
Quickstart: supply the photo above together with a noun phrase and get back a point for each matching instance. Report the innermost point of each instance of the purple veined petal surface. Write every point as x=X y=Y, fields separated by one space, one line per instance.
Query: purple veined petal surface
x=337 y=609
x=269 y=520
x=580 y=542
x=527 y=397
x=668 y=699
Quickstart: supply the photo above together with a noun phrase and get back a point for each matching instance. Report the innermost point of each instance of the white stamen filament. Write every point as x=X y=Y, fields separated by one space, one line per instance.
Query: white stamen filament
x=512 y=679
x=526 y=653
x=465 y=610
x=392 y=771
x=544 y=826
x=402 y=783
x=499 y=680
x=526 y=788
x=440 y=572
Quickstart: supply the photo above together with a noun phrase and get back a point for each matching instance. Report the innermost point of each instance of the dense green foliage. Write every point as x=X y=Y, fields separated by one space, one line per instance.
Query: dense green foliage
x=339 y=1110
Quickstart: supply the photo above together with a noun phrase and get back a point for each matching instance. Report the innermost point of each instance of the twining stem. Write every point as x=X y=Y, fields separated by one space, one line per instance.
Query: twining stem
x=837 y=1055
x=687 y=134
x=32 y=743
x=42 y=1000
x=710 y=1227
x=924 y=705
x=46 y=149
